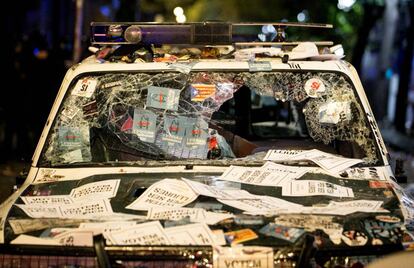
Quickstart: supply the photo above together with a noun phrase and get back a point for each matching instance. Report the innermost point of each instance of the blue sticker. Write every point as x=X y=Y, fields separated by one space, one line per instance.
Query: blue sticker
x=70 y=138
x=196 y=132
x=163 y=98
x=174 y=129
x=282 y=232
x=144 y=126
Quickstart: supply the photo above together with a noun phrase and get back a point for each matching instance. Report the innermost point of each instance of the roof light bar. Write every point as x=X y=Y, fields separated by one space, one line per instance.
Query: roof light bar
x=199 y=33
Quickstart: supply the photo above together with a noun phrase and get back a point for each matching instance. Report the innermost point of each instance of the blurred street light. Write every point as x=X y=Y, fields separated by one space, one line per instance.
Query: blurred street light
x=178 y=11
x=345 y=4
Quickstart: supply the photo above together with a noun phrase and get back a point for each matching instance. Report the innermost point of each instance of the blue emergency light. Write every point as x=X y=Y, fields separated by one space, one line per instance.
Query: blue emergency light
x=198 y=33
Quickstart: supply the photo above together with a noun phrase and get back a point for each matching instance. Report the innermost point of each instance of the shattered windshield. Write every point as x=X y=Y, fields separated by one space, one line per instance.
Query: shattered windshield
x=137 y=116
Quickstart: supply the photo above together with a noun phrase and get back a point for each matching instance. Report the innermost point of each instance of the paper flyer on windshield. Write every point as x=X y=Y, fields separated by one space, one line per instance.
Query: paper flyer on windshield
x=215 y=192
x=191 y=234
x=164 y=193
x=329 y=162
x=149 y=233
x=314 y=187
x=194 y=214
x=270 y=174
x=41 y=211
x=263 y=203
x=88 y=209
x=108 y=226
x=99 y=189
x=47 y=200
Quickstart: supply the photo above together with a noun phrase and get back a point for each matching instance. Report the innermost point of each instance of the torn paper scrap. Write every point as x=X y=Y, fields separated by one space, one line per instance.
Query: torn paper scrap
x=105 y=227
x=21 y=226
x=94 y=190
x=190 y=234
x=314 y=187
x=215 y=192
x=281 y=155
x=149 y=233
x=75 y=238
x=164 y=193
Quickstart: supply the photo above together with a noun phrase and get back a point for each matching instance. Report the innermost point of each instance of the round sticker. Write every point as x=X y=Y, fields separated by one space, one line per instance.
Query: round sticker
x=354 y=238
x=314 y=86
x=387 y=218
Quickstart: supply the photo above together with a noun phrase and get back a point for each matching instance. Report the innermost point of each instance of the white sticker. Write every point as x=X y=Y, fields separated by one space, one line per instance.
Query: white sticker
x=50 y=200
x=72 y=156
x=149 y=233
x=334 y=112
x=164 y=193
x=240 y=257
x=314 y=86
x=190 y=234
x=314 y=187
x=99 y=189
x=85 y=87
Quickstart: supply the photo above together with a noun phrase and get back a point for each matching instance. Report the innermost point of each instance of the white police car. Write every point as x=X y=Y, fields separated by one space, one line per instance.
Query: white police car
x=213 y=151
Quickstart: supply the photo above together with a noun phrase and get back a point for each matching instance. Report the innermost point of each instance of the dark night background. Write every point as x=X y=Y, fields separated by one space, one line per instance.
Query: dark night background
x=39 y=37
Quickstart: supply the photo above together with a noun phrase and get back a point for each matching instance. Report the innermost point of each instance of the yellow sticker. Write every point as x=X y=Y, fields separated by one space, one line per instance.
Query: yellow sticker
x=240 y=236
x=200 y=92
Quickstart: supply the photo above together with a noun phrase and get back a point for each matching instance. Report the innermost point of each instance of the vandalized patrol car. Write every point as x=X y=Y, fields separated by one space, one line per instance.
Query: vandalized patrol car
x=193 y=145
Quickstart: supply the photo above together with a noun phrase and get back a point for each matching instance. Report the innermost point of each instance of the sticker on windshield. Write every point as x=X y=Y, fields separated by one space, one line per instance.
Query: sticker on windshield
x=85 y=87
x=315 y=187
x=196 y=132
x=174 y=129
x=70 y=137
x=90 y=109
x=314 y=86
x=240 y=236
x=200 y=92
x=282 y=232
x=145 y=123
x=334 y=112
x=163 y=98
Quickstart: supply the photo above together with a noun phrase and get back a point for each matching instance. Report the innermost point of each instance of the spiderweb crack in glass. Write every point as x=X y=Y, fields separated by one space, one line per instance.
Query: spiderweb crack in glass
x=108 y=114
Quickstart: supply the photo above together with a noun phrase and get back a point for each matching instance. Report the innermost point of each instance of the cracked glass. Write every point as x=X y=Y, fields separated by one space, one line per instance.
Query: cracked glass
x=206 y=116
